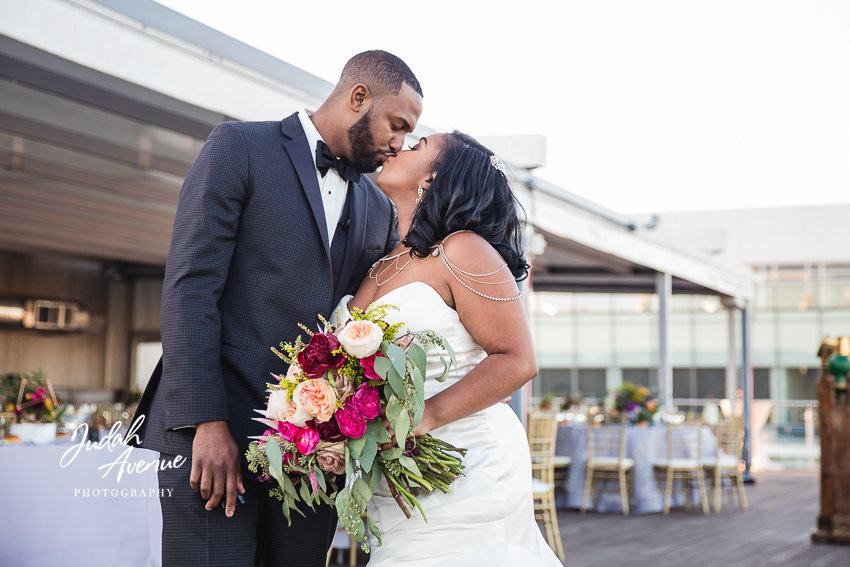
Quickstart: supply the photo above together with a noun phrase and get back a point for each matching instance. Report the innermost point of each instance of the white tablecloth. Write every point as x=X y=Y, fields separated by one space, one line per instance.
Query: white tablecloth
x=73 y=516
x=643 y=444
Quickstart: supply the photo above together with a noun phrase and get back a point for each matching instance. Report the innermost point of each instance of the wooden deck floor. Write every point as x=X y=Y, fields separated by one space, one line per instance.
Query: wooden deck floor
x=774 y=532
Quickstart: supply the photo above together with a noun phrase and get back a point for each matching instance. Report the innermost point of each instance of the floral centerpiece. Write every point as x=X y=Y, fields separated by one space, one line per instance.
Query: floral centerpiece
x=634 y=402
x=333 y=413
x=31 y=397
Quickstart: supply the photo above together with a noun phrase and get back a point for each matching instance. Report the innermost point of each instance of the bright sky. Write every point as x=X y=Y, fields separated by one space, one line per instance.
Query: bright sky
x=648 y=106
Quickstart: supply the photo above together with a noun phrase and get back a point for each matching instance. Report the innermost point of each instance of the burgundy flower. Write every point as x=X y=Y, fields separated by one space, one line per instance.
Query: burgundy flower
x=351 y=423
x=317 y=357
x=328 y=431
x=367 y=400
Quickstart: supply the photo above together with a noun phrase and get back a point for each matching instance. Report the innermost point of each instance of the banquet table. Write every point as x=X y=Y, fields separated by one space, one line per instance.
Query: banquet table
x=78 y=515
x=643 y=444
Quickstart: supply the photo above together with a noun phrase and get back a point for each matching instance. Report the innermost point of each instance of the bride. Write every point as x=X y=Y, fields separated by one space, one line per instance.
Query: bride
x=455 y=272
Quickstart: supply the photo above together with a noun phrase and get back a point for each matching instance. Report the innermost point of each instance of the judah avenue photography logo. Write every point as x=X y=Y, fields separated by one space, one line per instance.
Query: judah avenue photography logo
x=124 y=465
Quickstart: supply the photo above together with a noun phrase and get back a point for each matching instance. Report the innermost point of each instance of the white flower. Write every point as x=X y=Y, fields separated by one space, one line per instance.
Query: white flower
x=361 y=338
x=278 y=405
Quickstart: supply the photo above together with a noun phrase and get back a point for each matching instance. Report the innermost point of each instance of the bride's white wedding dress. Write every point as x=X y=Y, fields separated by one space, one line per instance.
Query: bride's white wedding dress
x=487 y=519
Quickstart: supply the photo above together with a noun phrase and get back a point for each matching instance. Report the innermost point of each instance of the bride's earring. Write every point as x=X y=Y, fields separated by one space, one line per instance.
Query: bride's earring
x=419 y=192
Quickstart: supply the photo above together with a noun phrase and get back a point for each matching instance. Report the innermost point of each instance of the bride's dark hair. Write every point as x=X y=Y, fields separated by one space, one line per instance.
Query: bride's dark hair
x=468 y=192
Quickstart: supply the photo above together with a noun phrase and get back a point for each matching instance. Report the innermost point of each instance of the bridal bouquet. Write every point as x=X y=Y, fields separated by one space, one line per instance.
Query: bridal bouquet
x=327 y=418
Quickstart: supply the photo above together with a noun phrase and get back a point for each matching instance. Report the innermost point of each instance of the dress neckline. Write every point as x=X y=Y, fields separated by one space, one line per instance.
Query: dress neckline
x=381 y=298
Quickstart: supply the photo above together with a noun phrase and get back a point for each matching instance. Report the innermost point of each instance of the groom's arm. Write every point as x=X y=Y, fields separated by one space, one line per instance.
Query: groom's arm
x=202 y=245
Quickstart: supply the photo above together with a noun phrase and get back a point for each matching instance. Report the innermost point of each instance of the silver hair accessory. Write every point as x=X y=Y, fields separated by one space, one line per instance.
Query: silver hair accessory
x=497 y=163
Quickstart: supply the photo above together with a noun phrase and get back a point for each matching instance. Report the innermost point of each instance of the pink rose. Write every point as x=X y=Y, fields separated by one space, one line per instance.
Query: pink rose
x=351 y=422
x=331 y=457
x=367 y=400
x=317 y=397
x=368 y=365
x=317 y=357
x=361 y=338
x=306 y=441
x=288 y=430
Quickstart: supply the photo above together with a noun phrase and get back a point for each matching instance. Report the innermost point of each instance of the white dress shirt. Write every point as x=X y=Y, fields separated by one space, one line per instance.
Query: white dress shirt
x=332 y=187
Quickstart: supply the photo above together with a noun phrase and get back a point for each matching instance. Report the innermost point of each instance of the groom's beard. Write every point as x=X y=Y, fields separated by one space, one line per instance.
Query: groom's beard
x=364 y=157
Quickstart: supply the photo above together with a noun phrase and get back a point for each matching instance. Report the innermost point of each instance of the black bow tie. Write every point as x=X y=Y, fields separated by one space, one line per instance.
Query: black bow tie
x=325 y=160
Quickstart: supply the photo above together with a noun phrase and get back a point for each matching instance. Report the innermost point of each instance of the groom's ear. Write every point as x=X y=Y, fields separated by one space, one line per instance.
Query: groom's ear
x=359 y=97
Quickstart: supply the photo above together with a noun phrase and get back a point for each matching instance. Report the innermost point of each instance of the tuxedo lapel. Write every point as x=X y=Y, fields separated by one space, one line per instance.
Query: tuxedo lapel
x=356 y=233
x=299 y=153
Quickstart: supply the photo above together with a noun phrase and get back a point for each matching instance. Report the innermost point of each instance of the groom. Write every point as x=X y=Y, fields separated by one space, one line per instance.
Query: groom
x=275 y=223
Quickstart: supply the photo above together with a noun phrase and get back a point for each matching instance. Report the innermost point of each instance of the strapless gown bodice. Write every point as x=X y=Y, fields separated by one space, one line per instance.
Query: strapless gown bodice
x=487 y=519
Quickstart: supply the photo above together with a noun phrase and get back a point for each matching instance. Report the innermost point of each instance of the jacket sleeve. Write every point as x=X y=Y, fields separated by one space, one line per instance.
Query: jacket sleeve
x=202 y=244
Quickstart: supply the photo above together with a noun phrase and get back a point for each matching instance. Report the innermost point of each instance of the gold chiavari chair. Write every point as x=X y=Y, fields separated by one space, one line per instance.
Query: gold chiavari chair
x=606 y=461
x=542 y=433
x=683 y=463
x=726 y=464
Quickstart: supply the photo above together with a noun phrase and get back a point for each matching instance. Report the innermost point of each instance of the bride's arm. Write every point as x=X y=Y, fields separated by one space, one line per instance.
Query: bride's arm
x=500 y=327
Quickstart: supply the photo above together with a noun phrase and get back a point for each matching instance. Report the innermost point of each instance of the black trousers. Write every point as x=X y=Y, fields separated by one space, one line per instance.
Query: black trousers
x=256 y=536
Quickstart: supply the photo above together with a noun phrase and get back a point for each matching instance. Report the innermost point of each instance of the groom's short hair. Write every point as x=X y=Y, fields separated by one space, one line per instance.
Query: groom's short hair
x=382 y=72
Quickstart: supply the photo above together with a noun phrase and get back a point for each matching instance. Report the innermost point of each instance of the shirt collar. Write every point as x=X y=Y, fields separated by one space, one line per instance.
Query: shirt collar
x=310 y=131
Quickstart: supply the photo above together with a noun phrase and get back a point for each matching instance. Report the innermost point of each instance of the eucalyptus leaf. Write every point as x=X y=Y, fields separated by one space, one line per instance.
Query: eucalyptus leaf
x=410 y=465
x=382 y=366
x=342 y=502
x=418 y=378
x=305 y=494
x=374 y=530
x=396 y=354
x=288 y=487
x=361 y=493
x=355 y=446
x=320 y=477
x=378 y=432
x=375 y=478
x=350 y=465
x=393 y=409
x=370 y=450
x=391 y=454
x=445 y=374
x=396 y=382
x=417 y=356
x=401 y=426
x=275 y=459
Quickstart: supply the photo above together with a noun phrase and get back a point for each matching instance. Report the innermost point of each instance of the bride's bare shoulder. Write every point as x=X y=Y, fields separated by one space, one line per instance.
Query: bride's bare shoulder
x=471 y=251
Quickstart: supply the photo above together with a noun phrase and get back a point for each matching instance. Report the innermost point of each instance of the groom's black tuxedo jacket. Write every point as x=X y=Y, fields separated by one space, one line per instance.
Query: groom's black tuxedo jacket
x=249 y=260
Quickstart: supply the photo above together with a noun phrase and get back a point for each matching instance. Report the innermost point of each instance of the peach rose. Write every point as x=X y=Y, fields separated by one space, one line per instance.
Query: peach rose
x=316 y=397
x=331 y=457
x=361 y=338
x=294 y=370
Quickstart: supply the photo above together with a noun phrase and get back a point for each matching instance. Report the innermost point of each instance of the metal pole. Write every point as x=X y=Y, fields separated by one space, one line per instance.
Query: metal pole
x=664 y=289
x=747 y=391
x=731 y=357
